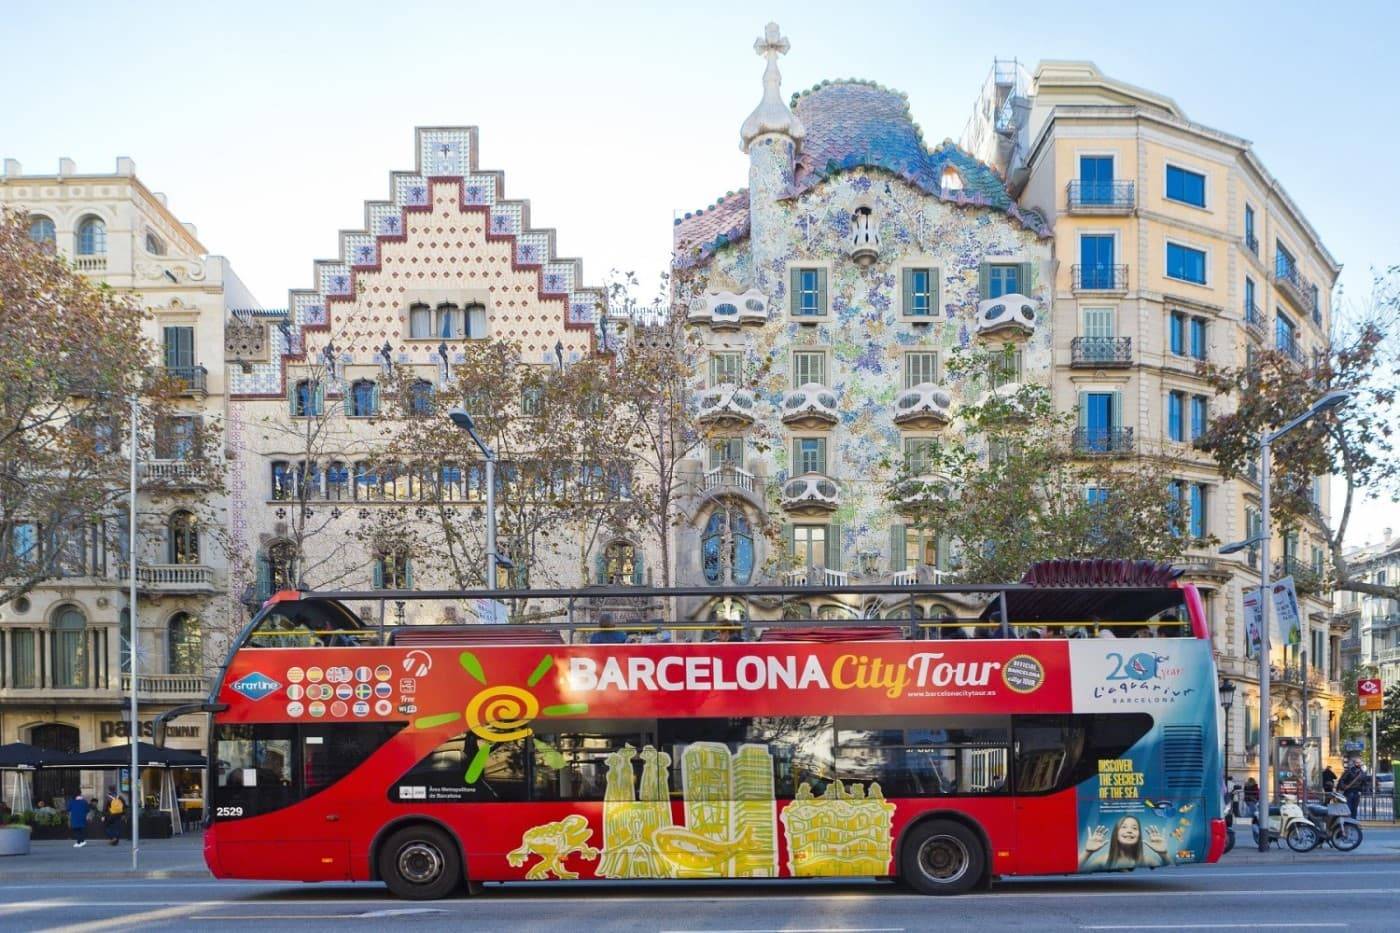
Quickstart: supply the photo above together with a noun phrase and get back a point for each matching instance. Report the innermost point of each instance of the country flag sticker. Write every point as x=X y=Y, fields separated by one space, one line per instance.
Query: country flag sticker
x=339 y=709
x=383 y=708
x=318 y=710
x=296 y=675
x=314 y=674
x=383 y=672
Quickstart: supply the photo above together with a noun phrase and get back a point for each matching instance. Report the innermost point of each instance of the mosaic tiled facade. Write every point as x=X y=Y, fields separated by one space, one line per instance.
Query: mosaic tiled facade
x=940 y=209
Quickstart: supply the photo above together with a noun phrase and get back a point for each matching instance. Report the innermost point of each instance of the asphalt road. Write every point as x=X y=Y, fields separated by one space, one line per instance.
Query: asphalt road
x=1330 y=894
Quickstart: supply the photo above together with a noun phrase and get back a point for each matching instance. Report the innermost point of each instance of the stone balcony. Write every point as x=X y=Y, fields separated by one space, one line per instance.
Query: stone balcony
x=167 y=686
x=725 y=405
x=925 y=406
x=730 y=310
x=810 y=406
x=175 y=579
x=810 y=493
x=172 y=474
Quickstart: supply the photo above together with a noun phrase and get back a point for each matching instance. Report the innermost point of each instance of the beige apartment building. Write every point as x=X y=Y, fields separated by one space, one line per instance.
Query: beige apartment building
x=1373 y=622
x=1175 y=246
x=446 y=260
x=64 y=664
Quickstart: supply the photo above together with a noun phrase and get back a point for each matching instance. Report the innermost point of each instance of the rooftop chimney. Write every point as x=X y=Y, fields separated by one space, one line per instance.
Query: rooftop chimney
x=67 y=166
x=12 y=168
x=125 y=166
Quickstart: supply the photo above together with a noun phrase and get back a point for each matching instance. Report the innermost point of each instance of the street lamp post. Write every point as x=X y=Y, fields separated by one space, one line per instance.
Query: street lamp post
x=463 y=419
x=1227 y=700
x=135 y=775
x=1328 y=402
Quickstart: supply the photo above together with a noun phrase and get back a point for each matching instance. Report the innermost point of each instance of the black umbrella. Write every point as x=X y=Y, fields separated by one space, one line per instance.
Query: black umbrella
x=18 y=755
x=119 y=756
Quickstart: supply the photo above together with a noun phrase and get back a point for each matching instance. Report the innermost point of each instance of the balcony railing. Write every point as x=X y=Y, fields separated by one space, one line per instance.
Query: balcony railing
x=1386 y=621
x=1101 y=352
x=1103 y=441
x=1254 y=322
x=1292 y=350
x=190 y=685
x=1101 y=197
x=910 y=577
x=1099 y=278
x=1295 y=286
x=815 y=576
x=172 y=473
x=189 y=380
x=728 y=476
x=90 y=263
x=175 y=578
x=1350 y=643
x=1251 y=243
x=1388 y=655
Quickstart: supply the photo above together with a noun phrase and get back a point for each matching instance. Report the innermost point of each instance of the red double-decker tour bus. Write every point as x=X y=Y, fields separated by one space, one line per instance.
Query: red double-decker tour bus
x=943 y=735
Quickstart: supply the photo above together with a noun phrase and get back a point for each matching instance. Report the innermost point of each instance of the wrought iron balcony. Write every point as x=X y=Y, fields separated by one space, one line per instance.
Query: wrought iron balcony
x=1251 y=243
x=1291 y=349
x=1254 y=322
x=1101 y=352
x=189 y=380
x=1295 y=287
x=1350 y=643
x=1101 y=197
x=1099 y=278
x=1386 y=621
x=1103 y=441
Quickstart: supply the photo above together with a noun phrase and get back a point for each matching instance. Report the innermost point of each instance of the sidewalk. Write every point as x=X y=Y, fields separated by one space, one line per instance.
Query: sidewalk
x=180 y=857
x=1379 y=840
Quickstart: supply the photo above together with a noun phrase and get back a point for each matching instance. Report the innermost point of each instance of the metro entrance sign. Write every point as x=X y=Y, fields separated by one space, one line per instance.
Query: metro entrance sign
x=1370 y=694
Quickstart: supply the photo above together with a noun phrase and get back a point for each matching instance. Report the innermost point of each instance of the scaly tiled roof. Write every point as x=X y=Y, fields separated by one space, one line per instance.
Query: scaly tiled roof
x=855 y=124
x=700 y=233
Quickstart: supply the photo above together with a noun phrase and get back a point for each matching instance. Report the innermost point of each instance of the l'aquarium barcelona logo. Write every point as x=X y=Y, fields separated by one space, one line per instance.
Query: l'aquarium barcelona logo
x=1141 y=678
x=255 y=686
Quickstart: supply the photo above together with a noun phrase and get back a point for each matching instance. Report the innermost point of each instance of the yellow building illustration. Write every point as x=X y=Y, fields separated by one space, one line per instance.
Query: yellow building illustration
x=842 y=832
x=730 y=827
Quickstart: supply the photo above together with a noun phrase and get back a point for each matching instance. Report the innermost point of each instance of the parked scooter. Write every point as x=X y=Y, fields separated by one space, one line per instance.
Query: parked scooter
x=1288 y=821
x=1334 y=824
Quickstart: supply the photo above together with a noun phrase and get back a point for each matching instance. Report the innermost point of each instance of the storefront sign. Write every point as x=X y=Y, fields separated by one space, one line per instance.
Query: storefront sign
x=110 y=729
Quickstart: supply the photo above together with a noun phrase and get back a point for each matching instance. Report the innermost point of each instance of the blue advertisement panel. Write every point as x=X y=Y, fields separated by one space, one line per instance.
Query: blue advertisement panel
x=1151 y=795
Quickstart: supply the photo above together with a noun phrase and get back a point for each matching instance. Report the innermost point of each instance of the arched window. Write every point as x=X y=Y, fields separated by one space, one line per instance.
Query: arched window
x=277 y=570
x=420 y=320
x=185 y=641
x=182 y=538
x=41 y=231
x=735 y=561
x=620 y=563
x=92 y=237
x=420 y=397
x=951 y=179
x=69 y=648
x=154 y=244
x=307 y=397
x=449 y=322
x=798 y=610
x=393 y=570
x=364 y=399
x=337 y=480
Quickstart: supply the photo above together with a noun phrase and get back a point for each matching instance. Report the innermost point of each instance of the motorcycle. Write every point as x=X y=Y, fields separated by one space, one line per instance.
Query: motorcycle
x=1287 y=821
x=1231 y=803
x=1334 y=824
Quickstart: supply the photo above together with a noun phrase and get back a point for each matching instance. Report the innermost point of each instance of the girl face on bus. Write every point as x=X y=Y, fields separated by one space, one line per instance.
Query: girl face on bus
x=1129 y=831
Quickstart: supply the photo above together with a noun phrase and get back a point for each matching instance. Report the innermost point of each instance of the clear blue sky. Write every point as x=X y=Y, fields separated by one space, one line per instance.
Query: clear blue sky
x=269 y=124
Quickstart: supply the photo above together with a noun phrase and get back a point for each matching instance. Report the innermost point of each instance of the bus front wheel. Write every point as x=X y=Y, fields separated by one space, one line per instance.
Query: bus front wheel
x=942 y=857
x=420 y=863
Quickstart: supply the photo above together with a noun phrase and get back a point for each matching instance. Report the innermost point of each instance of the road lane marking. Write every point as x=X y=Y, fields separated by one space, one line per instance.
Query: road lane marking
x=1221 y=926
x=128 y=921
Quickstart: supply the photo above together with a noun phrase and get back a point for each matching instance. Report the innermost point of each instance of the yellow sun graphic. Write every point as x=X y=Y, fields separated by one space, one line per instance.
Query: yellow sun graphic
x=502 y=713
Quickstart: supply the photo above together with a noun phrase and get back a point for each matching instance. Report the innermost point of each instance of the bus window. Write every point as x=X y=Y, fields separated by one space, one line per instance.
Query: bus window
x=580 y=764
x=924 y=757
x=1055 y=752
x=253 y=766
x=441 y=776
x=330 y=752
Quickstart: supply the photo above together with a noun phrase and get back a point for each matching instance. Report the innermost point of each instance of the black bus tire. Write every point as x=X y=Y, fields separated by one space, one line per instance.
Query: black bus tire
x=420 y=863
x=942 y=857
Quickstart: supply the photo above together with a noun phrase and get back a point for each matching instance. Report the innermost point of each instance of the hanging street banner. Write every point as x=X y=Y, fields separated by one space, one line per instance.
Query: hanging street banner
x=1370 y=694
x=1288 y=621
x=1253 y=620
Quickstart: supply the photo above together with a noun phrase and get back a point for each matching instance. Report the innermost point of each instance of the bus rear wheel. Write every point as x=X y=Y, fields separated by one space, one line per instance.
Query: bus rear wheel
x=942 y=857
x=420 y=863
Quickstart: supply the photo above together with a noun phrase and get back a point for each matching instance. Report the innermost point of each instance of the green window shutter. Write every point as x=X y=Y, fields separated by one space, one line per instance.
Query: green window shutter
x=984 y=280
x=789 y=544
x=822 y=307
x=374 y=399
x=292 y=399
x=935 y=290
x=600 y=567
x=796 y=458
x=318 y=395
x=794 y=289
x=408 y=573
x=1115 y=414
x=348 y=401
x=638 y=574
x=944 y=552
x=1024 y=278
x=898 y=560
x=907 y=291
x=264 y=578
x=377 y=574
x=833 y=546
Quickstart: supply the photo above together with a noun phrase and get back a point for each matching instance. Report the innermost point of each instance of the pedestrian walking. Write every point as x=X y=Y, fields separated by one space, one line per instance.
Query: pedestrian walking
x=1329 y=780
x=1251 y=797
x=1350 y=783
x=77 y=820
x=116 y=811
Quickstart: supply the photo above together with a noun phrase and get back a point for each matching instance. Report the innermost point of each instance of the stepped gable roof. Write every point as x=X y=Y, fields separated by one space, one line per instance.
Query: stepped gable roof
x=699 y=233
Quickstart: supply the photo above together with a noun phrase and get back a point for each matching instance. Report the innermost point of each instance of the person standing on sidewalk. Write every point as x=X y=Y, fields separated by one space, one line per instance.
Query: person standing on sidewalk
x=116 y=809
x=77 y=820
x=1350 y=784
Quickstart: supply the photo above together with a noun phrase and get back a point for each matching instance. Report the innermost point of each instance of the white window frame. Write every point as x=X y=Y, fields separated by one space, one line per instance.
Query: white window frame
x=1205 y=187
x=935 y=285
x=937 y=367
x=1111 y=310
x=826 y=366
x=1168 y=243
x=738 y=356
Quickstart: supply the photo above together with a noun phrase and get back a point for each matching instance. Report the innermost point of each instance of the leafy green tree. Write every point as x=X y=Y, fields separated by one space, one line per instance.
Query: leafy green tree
x=1388 y=728
x=1009 y=488
x=1356 y=442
